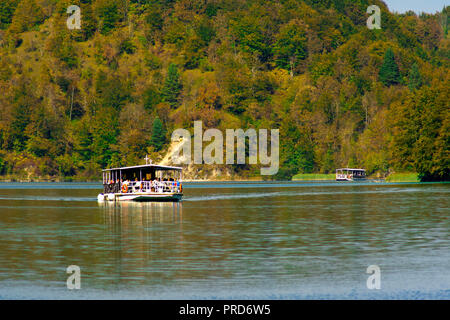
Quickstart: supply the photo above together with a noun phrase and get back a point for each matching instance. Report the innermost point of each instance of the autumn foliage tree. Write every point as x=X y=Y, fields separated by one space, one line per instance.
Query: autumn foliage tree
x=421 y=133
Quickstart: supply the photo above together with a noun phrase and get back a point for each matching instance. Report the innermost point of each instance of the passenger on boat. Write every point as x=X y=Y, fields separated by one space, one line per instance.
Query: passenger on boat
x=110 y=186
x=135 y=185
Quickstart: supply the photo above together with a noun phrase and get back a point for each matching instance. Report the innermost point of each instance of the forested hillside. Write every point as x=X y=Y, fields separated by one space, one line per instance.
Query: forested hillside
x=75 y=101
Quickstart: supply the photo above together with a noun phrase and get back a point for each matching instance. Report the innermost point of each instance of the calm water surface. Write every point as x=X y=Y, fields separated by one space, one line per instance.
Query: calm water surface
x=227 y=240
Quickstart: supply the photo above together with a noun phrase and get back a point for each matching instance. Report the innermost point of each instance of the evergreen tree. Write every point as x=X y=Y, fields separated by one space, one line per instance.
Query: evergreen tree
x=21 y=119
x=172 y=86
x=24 y=100
x=389 y=73
x=249 y=34
x=158 y=134
x=290 y=46
x=108 y=14
x=7 y=8
x=89 y=22
x=414 y=79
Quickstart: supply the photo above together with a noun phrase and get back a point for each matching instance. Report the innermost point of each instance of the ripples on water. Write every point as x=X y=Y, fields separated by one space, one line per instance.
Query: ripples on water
x=227 y=240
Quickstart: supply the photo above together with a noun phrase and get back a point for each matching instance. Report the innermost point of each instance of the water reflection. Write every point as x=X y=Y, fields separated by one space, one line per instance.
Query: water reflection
x=141 y=213
x=139 y=235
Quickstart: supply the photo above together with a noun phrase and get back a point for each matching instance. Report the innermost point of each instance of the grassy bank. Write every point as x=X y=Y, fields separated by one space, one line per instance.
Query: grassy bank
x=314 y=176
x=403 y=177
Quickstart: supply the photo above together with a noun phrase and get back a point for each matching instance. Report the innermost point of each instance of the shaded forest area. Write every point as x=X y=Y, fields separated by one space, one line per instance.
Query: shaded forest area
x=75 y=101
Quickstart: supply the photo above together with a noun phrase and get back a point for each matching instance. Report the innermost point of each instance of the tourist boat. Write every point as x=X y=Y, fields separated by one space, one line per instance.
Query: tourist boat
x=148 y=182
x=348 y=174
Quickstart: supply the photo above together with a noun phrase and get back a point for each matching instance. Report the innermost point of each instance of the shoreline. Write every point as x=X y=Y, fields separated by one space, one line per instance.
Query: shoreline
x=211 y=180
x=394 y=177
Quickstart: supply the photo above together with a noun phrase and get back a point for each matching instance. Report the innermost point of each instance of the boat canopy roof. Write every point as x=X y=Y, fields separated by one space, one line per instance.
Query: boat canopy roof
x=350 y=169
x=145 y=166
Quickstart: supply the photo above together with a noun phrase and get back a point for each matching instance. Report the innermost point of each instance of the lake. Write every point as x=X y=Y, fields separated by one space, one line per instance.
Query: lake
x=225 y=240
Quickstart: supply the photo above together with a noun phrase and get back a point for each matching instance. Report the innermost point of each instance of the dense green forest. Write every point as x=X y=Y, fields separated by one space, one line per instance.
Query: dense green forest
x=75 y=101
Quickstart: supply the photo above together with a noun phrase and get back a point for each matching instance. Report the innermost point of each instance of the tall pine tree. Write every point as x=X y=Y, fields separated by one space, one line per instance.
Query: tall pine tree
x=158 y=134
x=389 y=73
x=172 y=86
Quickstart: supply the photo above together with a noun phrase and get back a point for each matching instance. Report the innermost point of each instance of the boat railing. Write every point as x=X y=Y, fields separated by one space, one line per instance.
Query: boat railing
x=143 y=186
x=111 y=187
x=350 y=175
x=153 y=186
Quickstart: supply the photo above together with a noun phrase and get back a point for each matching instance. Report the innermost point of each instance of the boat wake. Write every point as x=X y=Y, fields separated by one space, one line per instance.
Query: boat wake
x=235 y=196
x=300 y=194
x=47 y=198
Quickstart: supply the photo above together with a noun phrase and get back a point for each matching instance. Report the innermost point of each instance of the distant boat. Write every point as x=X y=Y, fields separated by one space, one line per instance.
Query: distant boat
x=349 y=174
x=148 y=182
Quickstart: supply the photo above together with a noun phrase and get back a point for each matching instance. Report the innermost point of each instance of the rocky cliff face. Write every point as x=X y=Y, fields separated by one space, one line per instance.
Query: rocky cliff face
x=193 y=171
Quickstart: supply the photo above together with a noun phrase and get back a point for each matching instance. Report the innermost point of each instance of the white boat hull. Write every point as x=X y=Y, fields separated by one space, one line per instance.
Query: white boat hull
x=142 y=196
x=351 y=179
